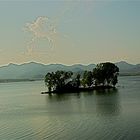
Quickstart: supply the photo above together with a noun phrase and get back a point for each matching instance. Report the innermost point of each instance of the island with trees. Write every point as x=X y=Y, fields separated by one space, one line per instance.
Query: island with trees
x=103 y=76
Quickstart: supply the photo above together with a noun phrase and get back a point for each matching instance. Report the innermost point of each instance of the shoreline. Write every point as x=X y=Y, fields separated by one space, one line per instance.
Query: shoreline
x=77 y=90
x=18 y=80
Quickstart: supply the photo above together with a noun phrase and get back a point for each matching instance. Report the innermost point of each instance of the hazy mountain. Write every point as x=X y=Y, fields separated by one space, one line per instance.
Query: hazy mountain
x=34 y=70
x=124 y=65
x=126 y=68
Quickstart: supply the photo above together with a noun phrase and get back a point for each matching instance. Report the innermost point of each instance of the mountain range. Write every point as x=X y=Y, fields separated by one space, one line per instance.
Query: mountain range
x=35 y=70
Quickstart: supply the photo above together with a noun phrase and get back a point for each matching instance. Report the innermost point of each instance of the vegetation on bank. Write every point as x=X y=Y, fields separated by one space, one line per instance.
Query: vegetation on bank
x=104 y=75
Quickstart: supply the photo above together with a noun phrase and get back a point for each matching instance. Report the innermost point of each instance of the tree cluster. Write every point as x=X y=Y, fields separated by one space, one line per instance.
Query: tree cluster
x=104 y=74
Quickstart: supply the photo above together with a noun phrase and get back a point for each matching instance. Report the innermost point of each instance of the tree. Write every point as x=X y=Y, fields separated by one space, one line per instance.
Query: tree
x=57 y=80
x=62 y=78
x=106 y=73
x=87 y=80
x=103 y=74
x=114 y=80
x=76 y=81
x=49 y=81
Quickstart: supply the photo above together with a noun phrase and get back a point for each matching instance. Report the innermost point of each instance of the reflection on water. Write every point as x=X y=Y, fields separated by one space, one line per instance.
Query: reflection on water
x=107 y=102
x=25 y=114
x=103 y=102
x=61 y=97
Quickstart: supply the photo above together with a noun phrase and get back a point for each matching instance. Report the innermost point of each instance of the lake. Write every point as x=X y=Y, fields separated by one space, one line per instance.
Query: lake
x=25 y=114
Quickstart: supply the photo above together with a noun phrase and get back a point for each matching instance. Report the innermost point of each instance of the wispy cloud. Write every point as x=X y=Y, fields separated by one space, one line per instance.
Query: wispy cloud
x=44 y=27
x=41 y=28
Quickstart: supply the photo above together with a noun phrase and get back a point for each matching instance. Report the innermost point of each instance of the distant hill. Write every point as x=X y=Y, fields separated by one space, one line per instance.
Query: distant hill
x=34 y=70
x=124 y=65
x=128 y=69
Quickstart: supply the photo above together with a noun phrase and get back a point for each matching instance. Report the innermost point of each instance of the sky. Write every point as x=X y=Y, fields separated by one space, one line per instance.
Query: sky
x=70 y=31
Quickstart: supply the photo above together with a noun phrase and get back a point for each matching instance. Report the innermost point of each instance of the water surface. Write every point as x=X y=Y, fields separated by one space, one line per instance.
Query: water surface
x=25 y=114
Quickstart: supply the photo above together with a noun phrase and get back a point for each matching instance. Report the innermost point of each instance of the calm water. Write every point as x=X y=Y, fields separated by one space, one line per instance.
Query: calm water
x=25 y=114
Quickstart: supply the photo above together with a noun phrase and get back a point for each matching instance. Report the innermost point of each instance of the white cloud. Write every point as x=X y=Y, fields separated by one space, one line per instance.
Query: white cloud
x=41 y=28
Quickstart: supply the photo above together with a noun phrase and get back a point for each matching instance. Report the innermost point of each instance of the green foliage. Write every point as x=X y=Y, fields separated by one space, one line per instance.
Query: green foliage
x=76 y=82
x=49 y=80
x=87 y=80
x=106 y=73
x=57 y=80
x=103 y=74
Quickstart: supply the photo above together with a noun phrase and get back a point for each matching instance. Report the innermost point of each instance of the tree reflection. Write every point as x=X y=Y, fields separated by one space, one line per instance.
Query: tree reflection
x=107 y=102
x=62 y=97
x=99 y=102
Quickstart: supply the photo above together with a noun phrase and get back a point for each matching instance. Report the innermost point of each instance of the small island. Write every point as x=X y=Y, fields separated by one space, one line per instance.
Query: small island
x=103 y=76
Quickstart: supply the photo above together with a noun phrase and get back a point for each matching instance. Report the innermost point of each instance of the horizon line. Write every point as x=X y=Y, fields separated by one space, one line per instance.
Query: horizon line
x=27 y=62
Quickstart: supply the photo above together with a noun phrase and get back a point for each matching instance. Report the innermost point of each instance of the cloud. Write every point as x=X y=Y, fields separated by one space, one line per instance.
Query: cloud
x=41 y=28
x=45 y=28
